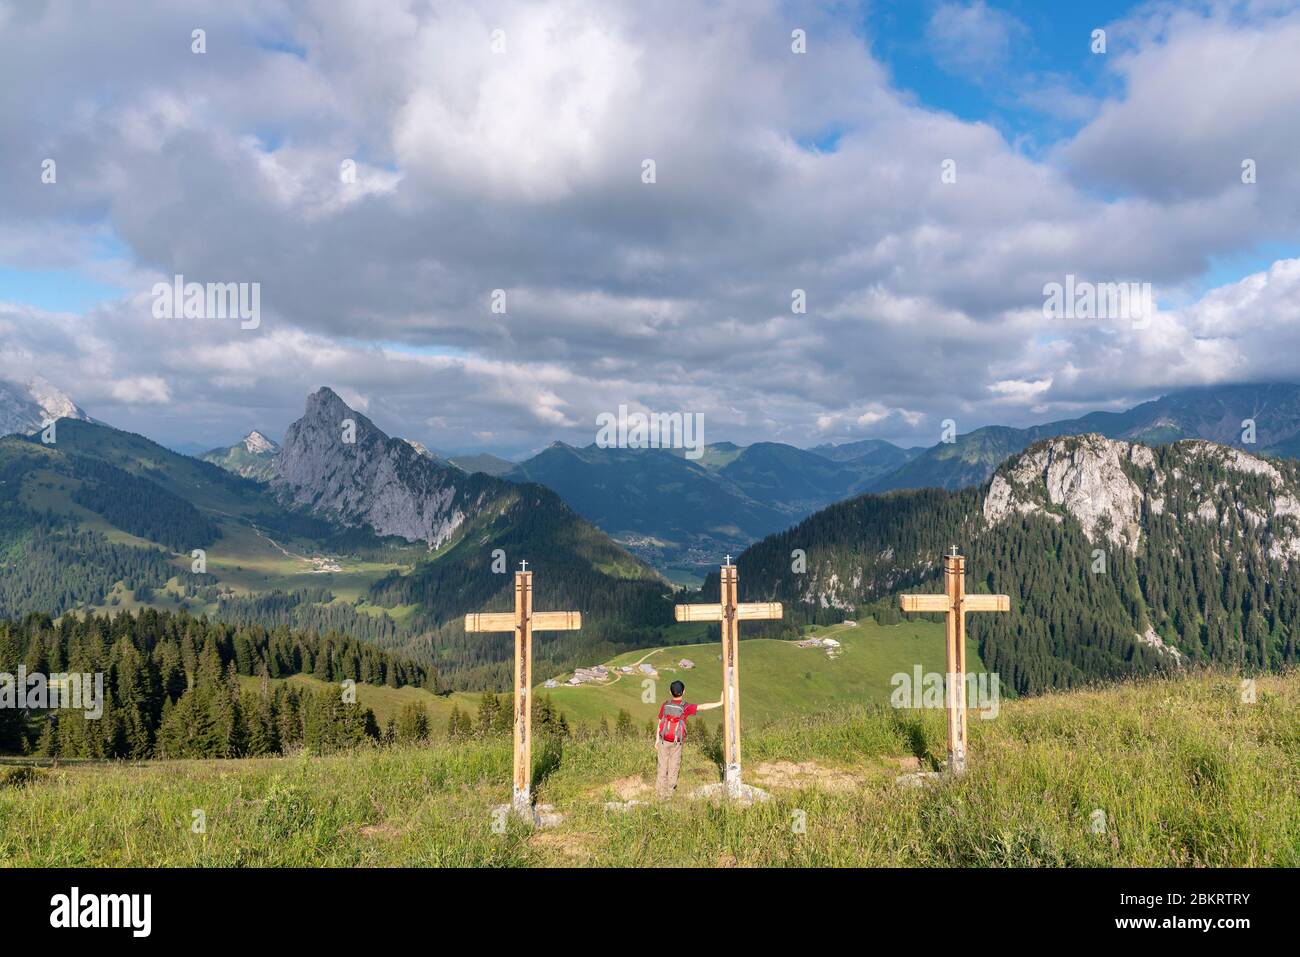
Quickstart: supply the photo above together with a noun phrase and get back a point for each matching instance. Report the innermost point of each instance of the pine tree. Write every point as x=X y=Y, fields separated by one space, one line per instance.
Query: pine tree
x=412 y=724
x=488 y=711
x=623 y=727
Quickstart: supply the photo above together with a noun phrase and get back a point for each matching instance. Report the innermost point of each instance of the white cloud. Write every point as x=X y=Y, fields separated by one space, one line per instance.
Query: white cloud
x=521 y=171
x=1020 y=390
x=146 y=390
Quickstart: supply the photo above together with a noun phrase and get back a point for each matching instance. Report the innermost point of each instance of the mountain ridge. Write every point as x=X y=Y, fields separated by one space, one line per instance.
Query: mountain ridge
x=680 y=515
x=1215 y=413
x=1120 y=558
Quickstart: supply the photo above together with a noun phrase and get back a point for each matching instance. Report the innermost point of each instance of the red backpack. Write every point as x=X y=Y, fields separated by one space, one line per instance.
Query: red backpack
x=672 y=721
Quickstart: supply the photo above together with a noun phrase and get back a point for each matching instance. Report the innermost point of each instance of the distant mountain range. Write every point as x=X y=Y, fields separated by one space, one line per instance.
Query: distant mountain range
x=1217 y=414
x=681 y=516
x=343 y=527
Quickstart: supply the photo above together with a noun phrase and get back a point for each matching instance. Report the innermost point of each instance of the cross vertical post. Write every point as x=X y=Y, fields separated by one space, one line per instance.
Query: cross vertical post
x=523 y=726
x=730 y=679
x=954 y=603
x=729 y=612
x=954 y=568
x=523 y=623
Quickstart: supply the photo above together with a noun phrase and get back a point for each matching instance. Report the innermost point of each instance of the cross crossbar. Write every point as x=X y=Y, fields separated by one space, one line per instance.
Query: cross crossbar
x=730 y=613
x=745 y=611
x=955 y=603
x=523 y=622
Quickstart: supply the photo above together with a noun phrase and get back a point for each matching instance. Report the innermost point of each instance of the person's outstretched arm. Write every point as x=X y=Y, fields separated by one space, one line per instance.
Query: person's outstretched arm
x=708 y=707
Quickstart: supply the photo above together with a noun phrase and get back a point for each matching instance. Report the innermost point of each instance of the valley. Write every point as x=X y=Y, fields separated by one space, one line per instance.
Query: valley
x=392 y=544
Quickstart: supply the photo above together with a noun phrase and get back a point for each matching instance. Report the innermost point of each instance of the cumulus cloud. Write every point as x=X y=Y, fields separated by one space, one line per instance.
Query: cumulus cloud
x=516 y=165
x=148 y=390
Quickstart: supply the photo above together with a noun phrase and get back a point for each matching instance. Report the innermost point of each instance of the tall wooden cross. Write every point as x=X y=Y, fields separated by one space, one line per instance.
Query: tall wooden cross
x=955 y=603
x=730 y=613
x=523 y=622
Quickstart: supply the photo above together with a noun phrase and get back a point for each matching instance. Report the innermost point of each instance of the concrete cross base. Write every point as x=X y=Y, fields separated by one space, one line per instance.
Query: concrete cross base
x=544 y=815
x=623 y=805
x=918 y=779
x=743 y=794
x=547 y=816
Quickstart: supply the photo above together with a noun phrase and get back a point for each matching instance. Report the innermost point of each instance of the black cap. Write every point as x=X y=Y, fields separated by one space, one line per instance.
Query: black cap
x=677 y=688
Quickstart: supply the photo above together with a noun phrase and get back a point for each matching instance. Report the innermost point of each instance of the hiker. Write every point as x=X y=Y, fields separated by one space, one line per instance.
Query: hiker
x=670 y=735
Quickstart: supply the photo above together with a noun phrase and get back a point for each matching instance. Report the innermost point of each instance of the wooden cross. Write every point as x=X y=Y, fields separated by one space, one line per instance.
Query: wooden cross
x=955 y=603
x=523 y=623
x=730 y=613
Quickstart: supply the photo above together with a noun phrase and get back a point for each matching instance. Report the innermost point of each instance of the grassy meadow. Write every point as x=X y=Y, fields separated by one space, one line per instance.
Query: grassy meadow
x=778 y=678
x=1184 y=771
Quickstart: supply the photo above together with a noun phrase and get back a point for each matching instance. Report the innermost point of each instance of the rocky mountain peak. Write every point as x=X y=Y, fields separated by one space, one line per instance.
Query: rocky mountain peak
x=1083 y=475
x=325 y=403
x=1110 y=487
x=360 y=475
x=53 y=401
x=25 y=407
x=255 y=443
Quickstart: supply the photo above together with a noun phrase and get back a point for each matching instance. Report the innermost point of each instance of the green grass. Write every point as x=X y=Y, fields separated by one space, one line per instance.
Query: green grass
x=1186 y=774
x=241 y=559
x=778 y=679
x=249 y=562
x=386 y=702
x=45 y=490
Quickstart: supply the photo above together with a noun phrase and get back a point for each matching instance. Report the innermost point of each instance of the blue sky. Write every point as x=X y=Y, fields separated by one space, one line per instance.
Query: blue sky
x=1043 y=39
x=58 y=290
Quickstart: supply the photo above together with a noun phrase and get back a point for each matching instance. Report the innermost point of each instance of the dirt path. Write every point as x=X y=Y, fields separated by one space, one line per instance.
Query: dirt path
x=283 y=551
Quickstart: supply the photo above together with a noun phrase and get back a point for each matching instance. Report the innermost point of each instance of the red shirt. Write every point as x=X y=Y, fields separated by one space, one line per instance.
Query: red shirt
x=687 y=711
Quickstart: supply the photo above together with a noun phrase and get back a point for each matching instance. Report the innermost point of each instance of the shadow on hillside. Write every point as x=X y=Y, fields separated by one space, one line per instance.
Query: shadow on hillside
x=914 y=730
x=548 y=761
x=712 y=748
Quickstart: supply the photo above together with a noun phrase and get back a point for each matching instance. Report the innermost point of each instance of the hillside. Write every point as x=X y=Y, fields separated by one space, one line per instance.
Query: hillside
x=370 y=537
x=1120 y=559
x=1183 y=772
